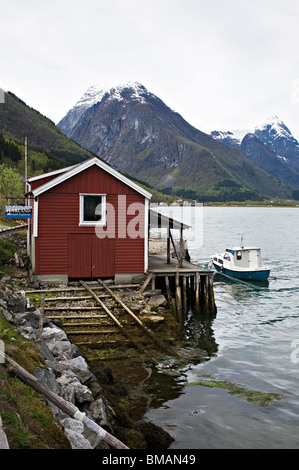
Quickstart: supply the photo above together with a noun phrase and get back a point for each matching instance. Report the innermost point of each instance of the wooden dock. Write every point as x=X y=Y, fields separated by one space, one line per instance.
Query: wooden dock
x=185 y=284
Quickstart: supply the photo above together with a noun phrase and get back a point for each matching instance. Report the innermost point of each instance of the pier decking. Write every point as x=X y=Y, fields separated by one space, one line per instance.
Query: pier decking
x=158 y=264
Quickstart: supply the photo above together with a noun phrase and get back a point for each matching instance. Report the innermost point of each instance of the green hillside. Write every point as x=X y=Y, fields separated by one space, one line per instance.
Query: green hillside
x=48 y=148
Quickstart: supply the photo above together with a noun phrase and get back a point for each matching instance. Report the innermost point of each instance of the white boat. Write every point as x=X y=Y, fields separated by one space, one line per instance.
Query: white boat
x=242 y=263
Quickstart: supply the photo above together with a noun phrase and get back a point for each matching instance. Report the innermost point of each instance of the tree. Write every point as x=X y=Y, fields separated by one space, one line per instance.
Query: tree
x=10 y=184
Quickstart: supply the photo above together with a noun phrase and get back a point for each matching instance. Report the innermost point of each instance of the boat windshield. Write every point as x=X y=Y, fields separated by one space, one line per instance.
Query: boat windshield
x=226 y=256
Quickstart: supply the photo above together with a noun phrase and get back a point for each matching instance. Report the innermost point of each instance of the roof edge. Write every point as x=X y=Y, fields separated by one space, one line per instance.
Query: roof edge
x=74 y=170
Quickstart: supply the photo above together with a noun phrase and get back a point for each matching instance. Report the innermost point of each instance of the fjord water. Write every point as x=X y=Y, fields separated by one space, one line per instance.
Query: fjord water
x=253 y=341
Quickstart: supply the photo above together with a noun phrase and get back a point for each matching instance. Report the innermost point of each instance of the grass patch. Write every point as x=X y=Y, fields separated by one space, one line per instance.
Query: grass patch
x=253 y=396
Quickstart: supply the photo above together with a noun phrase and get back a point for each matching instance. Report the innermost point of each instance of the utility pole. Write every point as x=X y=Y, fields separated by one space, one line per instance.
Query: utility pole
x=25 y=164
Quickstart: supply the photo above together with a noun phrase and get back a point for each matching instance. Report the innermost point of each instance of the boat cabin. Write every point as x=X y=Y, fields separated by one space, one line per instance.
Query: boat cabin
x=244 y=257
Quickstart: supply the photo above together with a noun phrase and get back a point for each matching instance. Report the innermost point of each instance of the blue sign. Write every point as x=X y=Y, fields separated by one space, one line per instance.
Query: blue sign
x=18 y=212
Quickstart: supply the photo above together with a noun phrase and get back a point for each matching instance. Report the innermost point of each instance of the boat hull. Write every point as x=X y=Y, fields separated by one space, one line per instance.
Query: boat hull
x=261 y=275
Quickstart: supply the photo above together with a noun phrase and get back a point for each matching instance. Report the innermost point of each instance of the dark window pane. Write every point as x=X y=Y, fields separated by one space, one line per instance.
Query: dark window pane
x=92 y=208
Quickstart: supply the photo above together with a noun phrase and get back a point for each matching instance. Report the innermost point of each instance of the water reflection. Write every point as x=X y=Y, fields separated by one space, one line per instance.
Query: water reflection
x=199 y=331
x=168 y=379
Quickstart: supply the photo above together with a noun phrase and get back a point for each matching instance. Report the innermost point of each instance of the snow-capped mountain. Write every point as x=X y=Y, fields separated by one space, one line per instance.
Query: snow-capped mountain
x=266 y=159
x=270 y=146
x=138 y=134
x=95 y=95
x=228 y=138
x=278 y=138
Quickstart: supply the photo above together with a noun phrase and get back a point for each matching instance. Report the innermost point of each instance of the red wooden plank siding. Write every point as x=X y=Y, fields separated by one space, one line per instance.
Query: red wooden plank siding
x=39 y=182
x=58 y=217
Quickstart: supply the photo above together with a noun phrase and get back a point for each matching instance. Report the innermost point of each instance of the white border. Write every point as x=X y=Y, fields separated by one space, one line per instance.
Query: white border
x=35 y=219
x=146 y=234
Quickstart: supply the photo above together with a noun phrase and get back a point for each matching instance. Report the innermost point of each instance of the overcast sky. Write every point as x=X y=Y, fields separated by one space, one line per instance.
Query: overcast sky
x=221 y=64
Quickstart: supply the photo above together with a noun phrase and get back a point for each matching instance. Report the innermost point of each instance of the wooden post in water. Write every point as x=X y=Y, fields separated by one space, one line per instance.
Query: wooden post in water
x=202 y=291
x=178 y=296
x=212 y=305
x=171 y=301
x=197 y=282
x=184 y=295
x=207 y=292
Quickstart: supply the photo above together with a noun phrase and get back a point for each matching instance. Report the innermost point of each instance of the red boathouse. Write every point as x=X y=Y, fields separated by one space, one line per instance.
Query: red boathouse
x=89 y=221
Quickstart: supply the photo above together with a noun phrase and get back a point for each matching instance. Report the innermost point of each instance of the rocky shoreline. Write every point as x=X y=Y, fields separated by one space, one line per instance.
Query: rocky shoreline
x=66 y=372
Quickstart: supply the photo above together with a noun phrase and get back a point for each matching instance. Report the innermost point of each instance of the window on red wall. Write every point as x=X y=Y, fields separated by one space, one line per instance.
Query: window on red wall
x=92 y=209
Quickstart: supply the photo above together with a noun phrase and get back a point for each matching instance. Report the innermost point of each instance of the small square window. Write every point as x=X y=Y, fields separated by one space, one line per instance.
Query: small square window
x=92 y=209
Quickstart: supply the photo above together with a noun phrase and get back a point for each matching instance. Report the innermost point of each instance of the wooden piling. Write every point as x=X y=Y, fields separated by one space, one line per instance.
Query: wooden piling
x=190 y=285
x=171 y=301
x=184 y=295
x=197 y=283
x=207 y=292
x=178 y=297
x=212 y=306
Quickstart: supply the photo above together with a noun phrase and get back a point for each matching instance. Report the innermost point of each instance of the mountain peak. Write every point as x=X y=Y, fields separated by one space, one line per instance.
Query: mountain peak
x=278 y=138
x=131 y=92
x=94 y=94
x=226 y=137
x=274 y=126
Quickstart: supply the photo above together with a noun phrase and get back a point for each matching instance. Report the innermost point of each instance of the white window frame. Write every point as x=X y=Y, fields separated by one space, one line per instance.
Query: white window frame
x=88 y=223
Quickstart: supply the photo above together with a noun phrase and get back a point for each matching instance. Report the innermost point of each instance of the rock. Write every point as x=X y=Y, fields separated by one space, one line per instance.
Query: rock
x=98 y=412
x=53 y=333
x=15 y=304
x=75 y=351
x=151 y=292
x=157 y=301
x=155 y=436
x=153 y=319
x=45 y=352
x=77 y=366
x=72 y=390
x=73 y=425
x=60 y=348
x=20 y=319
x=56 y=340
x=47 y=377
x=134 y=306
x=34 y=319
x=6 y=314
x=67 y=390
